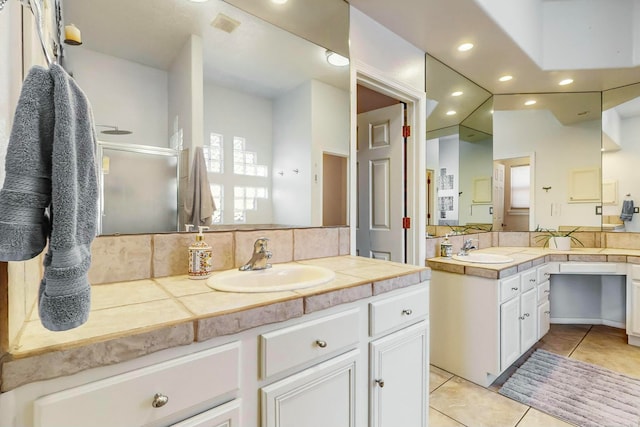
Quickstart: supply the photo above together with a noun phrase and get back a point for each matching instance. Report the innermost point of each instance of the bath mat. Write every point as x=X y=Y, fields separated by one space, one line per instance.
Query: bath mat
x=580 y=393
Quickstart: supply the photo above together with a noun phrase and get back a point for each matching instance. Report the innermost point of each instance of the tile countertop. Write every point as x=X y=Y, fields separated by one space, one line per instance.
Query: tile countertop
x=527 y=257
x=131 y=319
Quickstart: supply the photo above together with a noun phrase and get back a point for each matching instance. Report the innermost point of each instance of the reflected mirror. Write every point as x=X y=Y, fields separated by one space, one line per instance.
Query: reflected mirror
x=547 y=160
x=620 y=158
x=171 y=75
x=459 y=152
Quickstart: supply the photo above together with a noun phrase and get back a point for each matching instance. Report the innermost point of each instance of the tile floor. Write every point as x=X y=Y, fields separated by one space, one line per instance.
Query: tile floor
x=457 y=402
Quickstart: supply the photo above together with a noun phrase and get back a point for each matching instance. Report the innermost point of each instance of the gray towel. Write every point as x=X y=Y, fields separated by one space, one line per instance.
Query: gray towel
x=199 y=205
x=51 y=162
x=627 y=210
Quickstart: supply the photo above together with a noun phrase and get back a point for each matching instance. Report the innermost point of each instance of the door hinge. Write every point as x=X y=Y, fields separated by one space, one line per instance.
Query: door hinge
x=406 y=131
x=406 y=222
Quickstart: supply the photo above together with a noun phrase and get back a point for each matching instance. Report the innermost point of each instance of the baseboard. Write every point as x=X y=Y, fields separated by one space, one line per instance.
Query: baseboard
x=583 y=321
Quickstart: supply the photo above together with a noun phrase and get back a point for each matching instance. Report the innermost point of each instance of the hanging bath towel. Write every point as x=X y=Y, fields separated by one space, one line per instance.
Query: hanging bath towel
x=199 y=205
x=50 y=191
x=627 y=210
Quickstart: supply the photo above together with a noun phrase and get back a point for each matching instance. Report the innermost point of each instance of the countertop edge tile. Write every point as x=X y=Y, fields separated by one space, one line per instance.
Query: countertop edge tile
x=388 y=285
x=313 y=303
x=53 y=364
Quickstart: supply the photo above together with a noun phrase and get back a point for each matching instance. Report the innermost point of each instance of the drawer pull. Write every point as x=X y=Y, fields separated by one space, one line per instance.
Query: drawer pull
x=321 y=344
x=547 y=274
x=532 y=280
x=380 y=383
x=546 y=291
x=407 y=311
x=159 y=400
x=514 y=289
x=547 y=312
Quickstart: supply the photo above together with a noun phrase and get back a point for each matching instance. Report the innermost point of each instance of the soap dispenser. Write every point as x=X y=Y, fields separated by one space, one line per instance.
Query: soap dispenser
x=446 y=247
x=200 y=257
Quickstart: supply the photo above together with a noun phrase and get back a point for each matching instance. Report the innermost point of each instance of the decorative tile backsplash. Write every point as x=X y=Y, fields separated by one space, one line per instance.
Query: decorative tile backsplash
x=126 y=258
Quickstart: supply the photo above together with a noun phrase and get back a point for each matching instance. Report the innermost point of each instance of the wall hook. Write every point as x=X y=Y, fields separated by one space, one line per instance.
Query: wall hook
x=546 y=189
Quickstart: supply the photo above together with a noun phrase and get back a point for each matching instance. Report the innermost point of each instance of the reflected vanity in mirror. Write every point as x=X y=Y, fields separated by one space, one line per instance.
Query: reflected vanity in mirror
x=547 y=161
x=620 y=158
x=264 y=103
x=459 y=153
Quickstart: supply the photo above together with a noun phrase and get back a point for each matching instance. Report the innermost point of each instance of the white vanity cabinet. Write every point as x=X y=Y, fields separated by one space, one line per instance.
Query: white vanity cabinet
x=399 y=360
x=518 y=317
x=633 y=304
x=226 y=415
x=544 y=289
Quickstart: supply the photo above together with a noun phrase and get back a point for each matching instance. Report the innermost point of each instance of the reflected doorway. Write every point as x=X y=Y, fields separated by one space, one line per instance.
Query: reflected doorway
x=512 y=181
x=334 y=190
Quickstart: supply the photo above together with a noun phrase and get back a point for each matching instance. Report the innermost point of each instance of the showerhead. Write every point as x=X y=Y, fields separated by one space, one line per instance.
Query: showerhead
x=113 y=130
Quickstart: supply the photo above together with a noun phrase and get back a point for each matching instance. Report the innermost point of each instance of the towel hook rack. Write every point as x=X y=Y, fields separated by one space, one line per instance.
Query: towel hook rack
x=36 y=9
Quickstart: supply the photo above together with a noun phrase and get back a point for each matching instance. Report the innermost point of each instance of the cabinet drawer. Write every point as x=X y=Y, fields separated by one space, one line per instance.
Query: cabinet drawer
x=293 y=346
x=589 y=267
x=545 y=271
x=394 y=311
x=528 y=279
x=509 y=288
x=543 y=292
x=127 y=399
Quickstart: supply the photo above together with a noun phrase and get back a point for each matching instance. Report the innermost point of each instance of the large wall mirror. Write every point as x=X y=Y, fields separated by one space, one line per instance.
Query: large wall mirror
x=620 y=158
x=547 y=161
x=248 y=81
x=459 y=152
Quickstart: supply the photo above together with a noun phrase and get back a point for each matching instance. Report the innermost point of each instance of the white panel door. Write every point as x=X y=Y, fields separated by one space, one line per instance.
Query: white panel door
x=509 y=332
x=528 y=319
x=321 y=396
x=381 y=184
x=498 y=196
x=544 y=316
x=398 y=383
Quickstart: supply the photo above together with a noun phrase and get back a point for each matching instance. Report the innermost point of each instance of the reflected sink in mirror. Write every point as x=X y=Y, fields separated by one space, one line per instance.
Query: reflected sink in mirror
x=280 y=277
x=481 y=258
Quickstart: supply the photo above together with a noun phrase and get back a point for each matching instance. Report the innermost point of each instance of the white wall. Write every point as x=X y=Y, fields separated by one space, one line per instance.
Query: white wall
x=292 y=138
x=233 y=113
x=476 y=161
x=330 y=133
x=378 y=47
x=623 y=166
x=557 y=149
x=124 y=94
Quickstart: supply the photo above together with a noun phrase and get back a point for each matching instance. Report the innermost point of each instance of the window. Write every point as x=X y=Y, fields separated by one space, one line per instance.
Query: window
x=213 y=154
x=218 y=198
x=246 y=199
x=520 y=186
x=245 y=162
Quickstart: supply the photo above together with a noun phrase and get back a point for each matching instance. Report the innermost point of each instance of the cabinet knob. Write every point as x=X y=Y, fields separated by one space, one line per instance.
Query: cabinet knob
x=547 y=274
x=159 y=400
x=547 y=312
x=521 y=317
x=532 y=280
x=546 y=291
x=526 y=315
x=321 y=344
x=380 y=383
x=407 y=311
x=514 y=289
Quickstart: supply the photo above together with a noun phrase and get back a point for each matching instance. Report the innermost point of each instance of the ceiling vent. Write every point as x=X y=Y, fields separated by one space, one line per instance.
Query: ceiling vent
x=225 y=23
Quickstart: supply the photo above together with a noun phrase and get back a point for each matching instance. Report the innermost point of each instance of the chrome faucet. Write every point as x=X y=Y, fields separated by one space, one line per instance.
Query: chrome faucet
x=260 y=256
x=466 y=247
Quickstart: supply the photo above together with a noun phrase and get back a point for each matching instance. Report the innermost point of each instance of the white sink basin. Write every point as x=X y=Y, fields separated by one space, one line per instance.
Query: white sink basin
x=481 y=258
x=280 y=277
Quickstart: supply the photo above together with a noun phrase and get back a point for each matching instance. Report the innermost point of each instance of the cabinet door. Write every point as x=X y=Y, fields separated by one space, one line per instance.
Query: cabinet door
x=509 y=332
x=528 y=319
x=398 y=378
x=635 y=307
x=321 y=396
x=544 y=314
x=227 y=415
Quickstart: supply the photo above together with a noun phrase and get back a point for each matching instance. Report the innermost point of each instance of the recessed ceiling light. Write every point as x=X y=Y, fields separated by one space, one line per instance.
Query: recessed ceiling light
x=530 y=102
x=505 y=78
x=465 y=47
x=451 y=113
x=457 y=93
x=198 y=1
x=279 y=1
x=603 y=149
x=336 y=59
x=565 y=82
